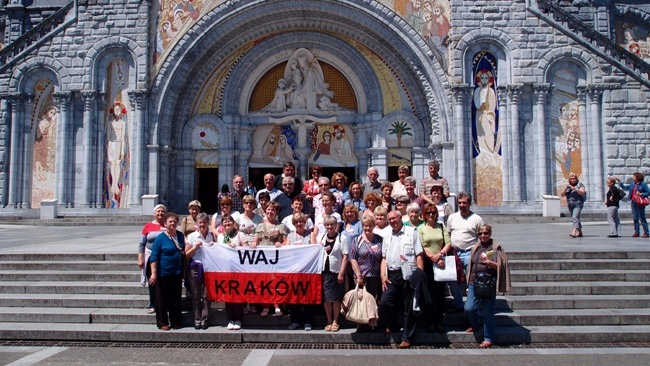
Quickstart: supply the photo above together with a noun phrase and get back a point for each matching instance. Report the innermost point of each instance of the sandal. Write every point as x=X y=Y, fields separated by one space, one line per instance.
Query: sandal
x=278 y=312
x=264 y=312
x=151 y=310
x=328 y=328
x=335 y=327
x=485 y=344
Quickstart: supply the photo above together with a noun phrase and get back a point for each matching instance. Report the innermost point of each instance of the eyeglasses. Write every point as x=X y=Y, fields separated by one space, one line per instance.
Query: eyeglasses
x=225 y=204
x=431 y=213
x=249 y=203
x=287 y=184
x=403 y=202
x=484 y=233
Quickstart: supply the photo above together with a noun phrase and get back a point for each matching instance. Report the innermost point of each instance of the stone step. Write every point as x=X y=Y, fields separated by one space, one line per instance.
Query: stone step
x=63 y=275
x=615 y=265
x=572 y=317
x=70 y=265
x=47 y=257
x=74 y=300
x=580 y=288
x=579 y=275
x=70 y=287
x=219 y=334
x=562 y=302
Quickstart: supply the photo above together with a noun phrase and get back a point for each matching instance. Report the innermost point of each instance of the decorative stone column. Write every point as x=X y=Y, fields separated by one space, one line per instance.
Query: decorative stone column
x=153 y=150
x=245 y=150
x=542 y=188
x=596 y=143
x=459 y=93
x=89 y=98
x=514 y=91
x=63 y=141
x=506 y=141
x=584 y=137
x=138 y=100
x=100 y=152
x=17 y=101
x=28 y=154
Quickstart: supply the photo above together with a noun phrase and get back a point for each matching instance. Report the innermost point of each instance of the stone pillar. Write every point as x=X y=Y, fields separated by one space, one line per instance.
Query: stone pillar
x=541 y=90
x=514 y=91
x=584 y=138
x=506 y=141
x=459 y=93
x=63 y=177
x=88 y=198
x=245 y=150
x=226 y=170
x=98 y=192
x=138 y=100
x=596 y=143
x=17 y=101
x=153 y=169
x=28 y=153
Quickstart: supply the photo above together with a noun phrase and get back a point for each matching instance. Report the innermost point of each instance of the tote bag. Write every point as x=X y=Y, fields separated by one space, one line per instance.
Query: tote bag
x=447 y=274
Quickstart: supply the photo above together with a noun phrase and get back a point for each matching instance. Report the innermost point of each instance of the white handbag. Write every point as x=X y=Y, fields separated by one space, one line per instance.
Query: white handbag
x=447 y=274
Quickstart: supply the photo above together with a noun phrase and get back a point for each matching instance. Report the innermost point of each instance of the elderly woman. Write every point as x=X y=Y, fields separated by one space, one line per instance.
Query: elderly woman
x=300 y=314
x=413 y=215
x=271 y=233
x=194 y=252
x=372 y=201
x=248 y=220
x=575 y=197
x=387 y=201
x=167 y=257
x=436 y=244
x=225 y=208
x=188 y=223
x=149 y=233
x=638 y=212
x=399 y=189
x=356 y=197
x=444 y=208
x=310 y=188
x=333 y=272
x=352 y=224
x=233 y=238
x=327 y=202
x=381 y=222
x=487 y=259
x=340 y=190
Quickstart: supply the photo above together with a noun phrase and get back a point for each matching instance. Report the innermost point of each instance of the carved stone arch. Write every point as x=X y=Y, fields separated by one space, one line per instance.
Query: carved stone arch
x=497 y=42
x=107 y=49
x=333 y=51
x=381 y=133
x=576 y=56
x=25 y=76
x=185 y=131
x=227 y=29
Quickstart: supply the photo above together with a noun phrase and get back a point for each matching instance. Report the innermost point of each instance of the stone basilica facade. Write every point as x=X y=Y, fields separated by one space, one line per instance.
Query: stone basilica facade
x=106 y=101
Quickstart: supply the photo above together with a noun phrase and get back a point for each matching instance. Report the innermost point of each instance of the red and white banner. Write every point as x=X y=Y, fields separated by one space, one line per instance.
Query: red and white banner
x=266 y=275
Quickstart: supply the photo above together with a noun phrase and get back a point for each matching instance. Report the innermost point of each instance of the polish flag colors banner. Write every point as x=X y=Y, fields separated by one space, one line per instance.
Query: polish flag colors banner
x=266 y=275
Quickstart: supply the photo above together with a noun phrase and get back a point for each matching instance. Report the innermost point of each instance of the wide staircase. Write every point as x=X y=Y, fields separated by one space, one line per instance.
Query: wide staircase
x=571 y=297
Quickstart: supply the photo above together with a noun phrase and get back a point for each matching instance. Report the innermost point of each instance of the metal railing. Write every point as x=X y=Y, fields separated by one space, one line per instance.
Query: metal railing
x=29 y=40
x=579 y=31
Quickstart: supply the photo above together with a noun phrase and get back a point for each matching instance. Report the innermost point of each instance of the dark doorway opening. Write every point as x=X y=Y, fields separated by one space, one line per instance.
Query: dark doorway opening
x=256 y=175
x=207 y=189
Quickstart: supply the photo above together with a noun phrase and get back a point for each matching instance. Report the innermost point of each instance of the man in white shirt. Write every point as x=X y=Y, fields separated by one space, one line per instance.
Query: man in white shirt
x=269 y=186
x=463 y=228
x=401 y=254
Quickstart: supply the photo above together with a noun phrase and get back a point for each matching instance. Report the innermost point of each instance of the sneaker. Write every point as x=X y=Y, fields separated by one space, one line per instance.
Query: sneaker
x=308 y=327
x=237 y=325
x=612 y=236
x=294 y=326
x=231 y=326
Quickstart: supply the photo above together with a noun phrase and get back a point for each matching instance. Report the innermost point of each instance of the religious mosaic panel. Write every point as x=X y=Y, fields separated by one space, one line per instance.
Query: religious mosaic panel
x=44 y=125
x=486 y=135
x=117 y=156
x=273 y=146
x=332 y=145
x=565 y=130
x=634 y=37
x=205 y=141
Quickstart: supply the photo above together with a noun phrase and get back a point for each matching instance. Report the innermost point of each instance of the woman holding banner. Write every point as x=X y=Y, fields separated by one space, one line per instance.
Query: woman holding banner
x=333 y=272
x=300 y=314
x=233 y=238
x=271 y=233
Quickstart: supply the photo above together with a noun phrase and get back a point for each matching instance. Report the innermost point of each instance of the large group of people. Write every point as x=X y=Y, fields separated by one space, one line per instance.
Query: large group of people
x=388 y=237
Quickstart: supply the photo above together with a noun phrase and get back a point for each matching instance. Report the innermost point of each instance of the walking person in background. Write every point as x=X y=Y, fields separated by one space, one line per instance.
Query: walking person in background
x=614 y=196
x=575 y=197
x=638 y=212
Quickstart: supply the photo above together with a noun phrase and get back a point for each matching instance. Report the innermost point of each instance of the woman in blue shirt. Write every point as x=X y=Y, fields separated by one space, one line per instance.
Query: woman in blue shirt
x=167 y=257
x=638 y=212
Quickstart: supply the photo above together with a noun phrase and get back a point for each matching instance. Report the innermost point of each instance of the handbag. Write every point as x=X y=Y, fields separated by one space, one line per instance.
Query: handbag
x=485 y=285
x=639 y=200
x=447 y=274
x=358 y=305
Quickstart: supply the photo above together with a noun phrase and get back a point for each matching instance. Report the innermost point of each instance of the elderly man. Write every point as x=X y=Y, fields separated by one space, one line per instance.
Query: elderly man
x=401 y=254
x=373 y=184
x=289 y=170
x=434 y=179
x=269 y=186
x=286 y=198
x=238 y=193
x=463 y=228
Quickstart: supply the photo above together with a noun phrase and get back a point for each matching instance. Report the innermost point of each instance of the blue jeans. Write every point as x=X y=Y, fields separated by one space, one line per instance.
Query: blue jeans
x=638 y=213
x=472 y=307
x=456 y=289
x=575 y=210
